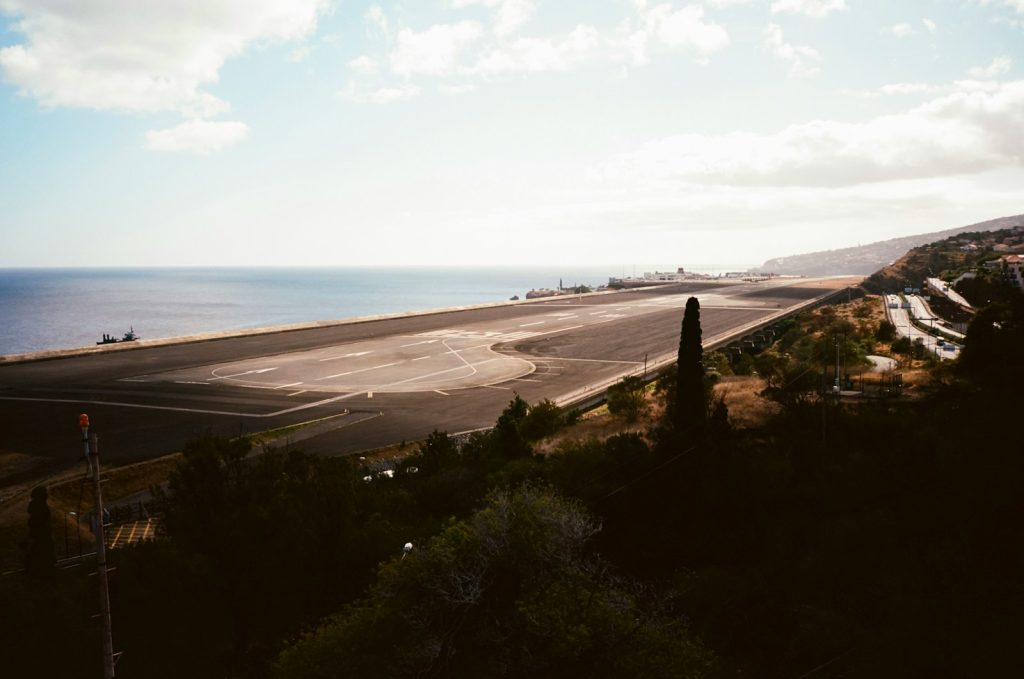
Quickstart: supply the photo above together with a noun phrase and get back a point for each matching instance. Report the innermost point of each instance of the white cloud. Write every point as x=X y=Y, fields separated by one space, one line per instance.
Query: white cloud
x=455 y=90
x=998 y=67
x=434 y=51
x=382 y=95
x=930 y=25
x=812 y=8
x=686 y=29
x=900 y=30
x=1017 y=5
x=719 y=4
x=364 y=65
x=802 y=59
x=532 y=55
x=973 y=129
x=511 y=14
x=908 y=88
x=197 y=136
x=376 y=19
x=140 y=56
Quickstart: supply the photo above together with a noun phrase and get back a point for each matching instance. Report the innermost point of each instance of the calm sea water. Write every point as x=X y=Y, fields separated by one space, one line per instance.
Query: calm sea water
x=63 y=308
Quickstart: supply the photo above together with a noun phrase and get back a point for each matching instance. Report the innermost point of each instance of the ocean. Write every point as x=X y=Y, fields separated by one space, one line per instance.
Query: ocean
x=43 y=309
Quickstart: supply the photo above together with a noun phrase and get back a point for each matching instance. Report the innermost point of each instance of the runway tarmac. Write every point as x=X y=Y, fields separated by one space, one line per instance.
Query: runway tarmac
x=389 y=380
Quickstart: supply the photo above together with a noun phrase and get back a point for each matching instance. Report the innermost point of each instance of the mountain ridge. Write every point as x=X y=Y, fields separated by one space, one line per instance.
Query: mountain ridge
x=867 y=259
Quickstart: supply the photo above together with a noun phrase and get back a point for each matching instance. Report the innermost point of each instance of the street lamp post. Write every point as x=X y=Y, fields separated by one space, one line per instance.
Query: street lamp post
x=92 y=455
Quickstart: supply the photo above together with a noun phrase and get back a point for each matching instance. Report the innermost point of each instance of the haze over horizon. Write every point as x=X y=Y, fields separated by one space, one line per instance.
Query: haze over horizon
x=500 y=132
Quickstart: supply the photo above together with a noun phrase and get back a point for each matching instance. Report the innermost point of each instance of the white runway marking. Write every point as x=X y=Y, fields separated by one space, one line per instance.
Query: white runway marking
x=495 y=337
x=418 y=343
x=421 y=358
x=335 y=358
x=363 y=370
x=247 y=372
x=443 y=393
x=527 y=325
x=285 y=386
x=205 y=384
x=296 y=393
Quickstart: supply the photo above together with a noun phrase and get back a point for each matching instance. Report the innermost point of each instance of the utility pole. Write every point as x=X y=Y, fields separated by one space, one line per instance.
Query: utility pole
x=92 y=456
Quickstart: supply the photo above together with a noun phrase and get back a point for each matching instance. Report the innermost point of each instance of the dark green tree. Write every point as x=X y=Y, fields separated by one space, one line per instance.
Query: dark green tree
x=41 y=555
x=508 y=435
x=992 y=354
x=626 y=399
x=436 y=453
x=543 y=419
x=691 y=405
x=511 y=591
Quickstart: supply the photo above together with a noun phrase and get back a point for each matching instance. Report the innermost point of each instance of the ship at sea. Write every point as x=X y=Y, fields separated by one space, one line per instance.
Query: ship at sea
x=129 y=336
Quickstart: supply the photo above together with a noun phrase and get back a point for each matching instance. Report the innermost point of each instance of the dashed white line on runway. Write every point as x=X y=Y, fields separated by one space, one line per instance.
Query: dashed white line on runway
x=418 y=343
x=527 y=325
x=421 y=358
x=335 y=358
x=363 y=370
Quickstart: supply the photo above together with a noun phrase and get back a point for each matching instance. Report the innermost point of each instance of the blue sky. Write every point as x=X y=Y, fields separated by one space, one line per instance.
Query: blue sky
x=461 y=132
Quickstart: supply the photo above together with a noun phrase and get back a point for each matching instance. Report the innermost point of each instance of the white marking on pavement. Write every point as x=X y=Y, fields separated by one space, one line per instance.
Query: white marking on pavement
x=527 y=325
x=247 y=372
x=596 y=360
x=443 y=393
x=418 y=343
x=420 y=358
x=296 y=393
x=335 y=358
x=205 y=384
x=285 y=386
x=363 y=370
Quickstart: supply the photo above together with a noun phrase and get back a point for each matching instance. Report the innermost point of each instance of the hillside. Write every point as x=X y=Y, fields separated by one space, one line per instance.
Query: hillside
x=958 y=259
x=867 y=259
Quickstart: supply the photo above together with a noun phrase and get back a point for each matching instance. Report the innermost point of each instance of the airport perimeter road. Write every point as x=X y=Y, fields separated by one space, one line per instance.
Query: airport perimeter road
x=378 y=382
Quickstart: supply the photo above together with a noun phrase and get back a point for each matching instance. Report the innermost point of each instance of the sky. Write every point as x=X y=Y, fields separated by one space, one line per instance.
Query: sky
x=500 y=132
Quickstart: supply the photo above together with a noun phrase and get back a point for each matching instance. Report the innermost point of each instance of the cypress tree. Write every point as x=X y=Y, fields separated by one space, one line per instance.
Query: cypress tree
x=691 y=409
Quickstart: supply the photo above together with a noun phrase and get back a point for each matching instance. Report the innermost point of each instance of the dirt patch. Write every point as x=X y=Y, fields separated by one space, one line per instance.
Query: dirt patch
x=747 y=408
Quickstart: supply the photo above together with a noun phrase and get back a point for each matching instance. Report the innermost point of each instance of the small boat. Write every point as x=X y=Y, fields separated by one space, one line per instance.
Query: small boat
x=129 y=336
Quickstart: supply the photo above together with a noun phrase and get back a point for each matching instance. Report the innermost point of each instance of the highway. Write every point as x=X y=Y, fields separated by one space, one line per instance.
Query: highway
x=379 y=382
x=901 y=319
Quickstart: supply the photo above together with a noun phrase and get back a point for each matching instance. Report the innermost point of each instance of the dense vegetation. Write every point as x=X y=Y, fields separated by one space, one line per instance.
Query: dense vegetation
x=875 y=540
x=948 y=259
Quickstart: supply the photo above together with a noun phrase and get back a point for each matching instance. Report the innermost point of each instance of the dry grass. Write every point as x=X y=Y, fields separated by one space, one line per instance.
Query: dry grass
x=73 y=492
x=747 y=408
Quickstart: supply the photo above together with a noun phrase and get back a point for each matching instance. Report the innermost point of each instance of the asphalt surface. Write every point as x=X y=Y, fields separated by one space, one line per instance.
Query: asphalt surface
x=380 y=382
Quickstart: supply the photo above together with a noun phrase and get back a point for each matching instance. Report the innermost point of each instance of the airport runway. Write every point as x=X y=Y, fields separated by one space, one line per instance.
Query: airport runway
x=382 y=381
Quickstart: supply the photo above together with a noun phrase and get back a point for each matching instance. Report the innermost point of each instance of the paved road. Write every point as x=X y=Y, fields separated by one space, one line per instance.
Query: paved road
x=922 y=312
x=905 y=328
x=383 y=381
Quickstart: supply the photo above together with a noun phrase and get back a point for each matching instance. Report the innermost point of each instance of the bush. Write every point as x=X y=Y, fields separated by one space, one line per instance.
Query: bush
x=626 y=399
x=542 y=419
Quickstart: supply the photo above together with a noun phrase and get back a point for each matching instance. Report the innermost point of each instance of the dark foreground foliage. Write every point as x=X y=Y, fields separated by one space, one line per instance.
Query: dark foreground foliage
x=885 y=540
